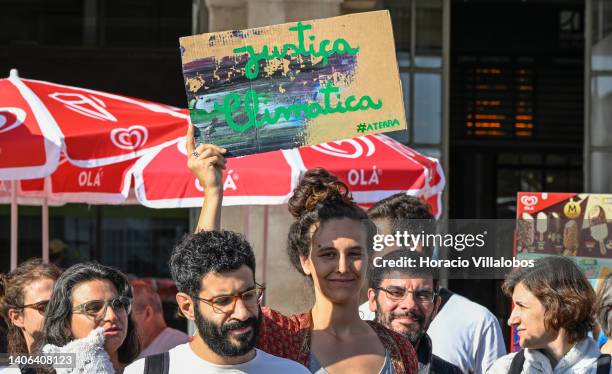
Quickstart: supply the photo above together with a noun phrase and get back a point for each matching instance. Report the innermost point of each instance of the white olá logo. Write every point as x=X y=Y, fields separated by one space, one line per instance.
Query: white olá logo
x=89 y=106
x=529 y=200
x=11 y=118
x=87 y=178
x=131 y=138
x=357 y=151
x=230 y=182
x=362 y=178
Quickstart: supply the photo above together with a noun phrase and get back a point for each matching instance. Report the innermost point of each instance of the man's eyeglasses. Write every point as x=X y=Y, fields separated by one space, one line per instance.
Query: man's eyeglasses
x=97 y=308
x=40 y=306
x=399 y=294
x=226 y=303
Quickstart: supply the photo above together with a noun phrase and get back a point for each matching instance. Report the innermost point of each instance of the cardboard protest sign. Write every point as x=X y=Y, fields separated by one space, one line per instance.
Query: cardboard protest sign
x=294 y=84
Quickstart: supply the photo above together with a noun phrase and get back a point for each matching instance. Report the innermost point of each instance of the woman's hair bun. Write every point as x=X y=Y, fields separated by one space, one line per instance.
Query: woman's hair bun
x=318 y=187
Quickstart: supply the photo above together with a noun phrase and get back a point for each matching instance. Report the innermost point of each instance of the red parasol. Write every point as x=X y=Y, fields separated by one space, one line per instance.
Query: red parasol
x=373 y=166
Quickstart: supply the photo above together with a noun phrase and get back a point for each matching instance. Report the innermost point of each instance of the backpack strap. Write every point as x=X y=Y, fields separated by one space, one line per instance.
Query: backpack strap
x=157 y=364
x=603 y=364
x=517 y=363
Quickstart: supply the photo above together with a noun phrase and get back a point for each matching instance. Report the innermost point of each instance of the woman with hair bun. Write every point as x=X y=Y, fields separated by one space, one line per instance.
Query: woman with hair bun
x=330 y=243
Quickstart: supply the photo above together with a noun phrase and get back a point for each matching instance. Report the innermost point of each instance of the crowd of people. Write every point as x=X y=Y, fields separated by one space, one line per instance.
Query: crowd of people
x=408 y=324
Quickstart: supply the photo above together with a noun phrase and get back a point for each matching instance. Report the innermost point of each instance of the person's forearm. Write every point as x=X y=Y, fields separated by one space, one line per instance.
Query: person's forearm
x=210 y=215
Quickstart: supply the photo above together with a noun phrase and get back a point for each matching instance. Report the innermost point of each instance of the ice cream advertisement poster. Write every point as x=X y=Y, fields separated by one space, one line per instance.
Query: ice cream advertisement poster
x=575 y=225
x=295 y=84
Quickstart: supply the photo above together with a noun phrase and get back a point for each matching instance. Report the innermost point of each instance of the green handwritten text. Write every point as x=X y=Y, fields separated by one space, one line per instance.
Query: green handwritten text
x=325 y=49
x=250 y=105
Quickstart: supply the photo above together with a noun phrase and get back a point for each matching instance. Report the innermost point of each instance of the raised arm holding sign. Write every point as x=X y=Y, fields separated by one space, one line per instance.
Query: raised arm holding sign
x=295 y=84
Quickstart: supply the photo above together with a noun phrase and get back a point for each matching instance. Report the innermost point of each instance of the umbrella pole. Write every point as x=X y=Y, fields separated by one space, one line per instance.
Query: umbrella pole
x=45 y=230
x=14 y=223
x=246 y=220
x=265 y=244
x=45 y=221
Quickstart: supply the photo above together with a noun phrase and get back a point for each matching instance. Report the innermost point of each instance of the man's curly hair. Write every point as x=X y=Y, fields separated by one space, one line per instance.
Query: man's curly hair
x=208 y=252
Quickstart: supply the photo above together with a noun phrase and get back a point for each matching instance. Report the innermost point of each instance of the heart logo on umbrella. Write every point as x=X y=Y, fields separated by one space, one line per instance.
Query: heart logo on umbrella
x=356 y=151
x=529 y=200
x=131 y=138
x=11 y=118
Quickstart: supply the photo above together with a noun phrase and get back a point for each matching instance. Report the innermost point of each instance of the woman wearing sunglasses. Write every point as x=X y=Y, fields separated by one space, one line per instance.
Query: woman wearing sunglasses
x=90 y=299
x=329 y=243
x=24 y=294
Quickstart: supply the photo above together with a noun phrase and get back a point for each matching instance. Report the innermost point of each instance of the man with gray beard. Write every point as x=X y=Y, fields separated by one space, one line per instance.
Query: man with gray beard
x=463 y=333
x=406 y=299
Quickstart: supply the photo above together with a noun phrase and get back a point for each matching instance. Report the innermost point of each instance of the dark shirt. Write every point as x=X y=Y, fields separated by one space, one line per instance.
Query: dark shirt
x=430 y=363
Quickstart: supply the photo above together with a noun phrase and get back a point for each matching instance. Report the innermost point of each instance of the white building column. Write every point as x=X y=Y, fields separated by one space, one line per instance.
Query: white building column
x=226 y=15
x=271 y=12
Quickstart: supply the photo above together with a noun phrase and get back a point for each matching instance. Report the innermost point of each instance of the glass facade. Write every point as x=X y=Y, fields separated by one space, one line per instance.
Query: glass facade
x=125 y=47
x=419 y=40
x=128 y=23
x=515 y=90
x=598 y=146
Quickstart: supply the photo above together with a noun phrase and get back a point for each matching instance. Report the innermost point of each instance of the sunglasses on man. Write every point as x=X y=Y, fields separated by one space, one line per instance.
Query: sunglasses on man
x=40 y=306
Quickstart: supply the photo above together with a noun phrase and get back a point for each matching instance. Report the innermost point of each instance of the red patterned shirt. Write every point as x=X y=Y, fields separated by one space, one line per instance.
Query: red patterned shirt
x=289 y=337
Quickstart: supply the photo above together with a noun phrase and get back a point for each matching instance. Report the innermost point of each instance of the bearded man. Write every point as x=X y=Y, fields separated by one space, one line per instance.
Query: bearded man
x=214 y=273
x=406 y=299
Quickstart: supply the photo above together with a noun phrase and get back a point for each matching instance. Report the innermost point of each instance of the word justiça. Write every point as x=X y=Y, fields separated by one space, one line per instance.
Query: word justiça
x=340 y=46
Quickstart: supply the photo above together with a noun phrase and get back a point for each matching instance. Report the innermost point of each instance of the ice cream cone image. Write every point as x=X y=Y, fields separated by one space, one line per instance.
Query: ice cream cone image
x=598 y=226
x=526 y=231
x=570 y=238
x=542 y=224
